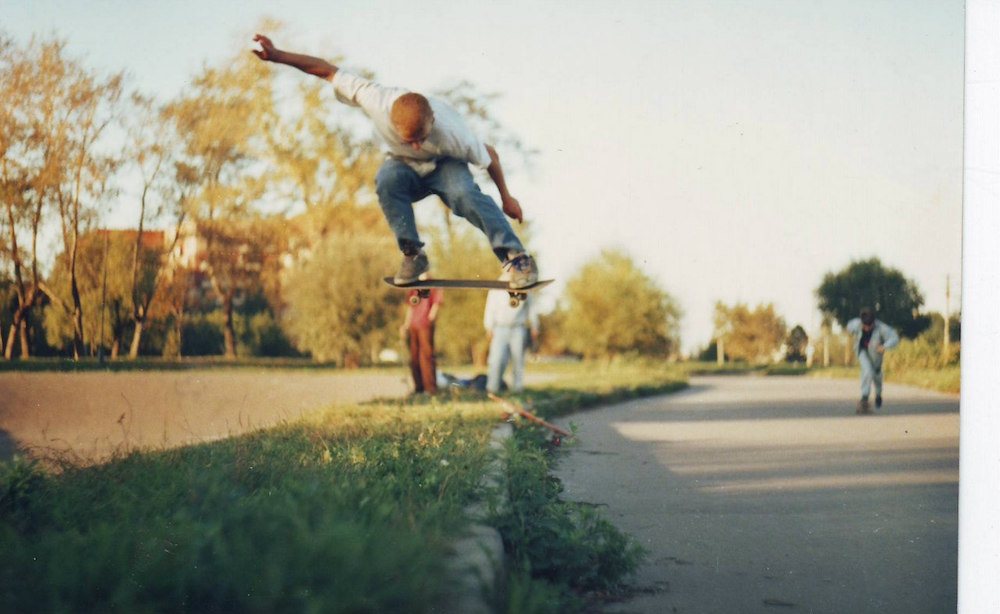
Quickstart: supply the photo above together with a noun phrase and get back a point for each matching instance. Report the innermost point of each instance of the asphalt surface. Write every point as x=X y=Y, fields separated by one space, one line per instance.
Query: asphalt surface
x=768 y=494
x=90 y=416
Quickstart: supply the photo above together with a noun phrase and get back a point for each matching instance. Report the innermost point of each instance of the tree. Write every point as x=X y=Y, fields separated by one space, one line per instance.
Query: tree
x=103 y=279
x=222 y=121
x=26 y=175
x=462 y=253
x=796 y=344
x=612 y=308
x=338 y=307
x=754 y=336
x=868 y=283
x=153 y=148
x=320 y=165
x=52 y=159
x=935 y=332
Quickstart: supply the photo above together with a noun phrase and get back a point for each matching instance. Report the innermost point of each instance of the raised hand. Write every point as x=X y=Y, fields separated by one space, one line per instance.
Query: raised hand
x=267 y=50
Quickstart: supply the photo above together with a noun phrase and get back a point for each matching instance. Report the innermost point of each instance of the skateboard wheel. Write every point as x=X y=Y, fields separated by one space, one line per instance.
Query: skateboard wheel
x=415 y=299
x=514 y=300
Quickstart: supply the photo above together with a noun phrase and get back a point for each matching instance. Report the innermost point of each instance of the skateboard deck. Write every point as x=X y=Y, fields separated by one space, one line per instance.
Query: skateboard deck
x=424 y=287
x=511 y=408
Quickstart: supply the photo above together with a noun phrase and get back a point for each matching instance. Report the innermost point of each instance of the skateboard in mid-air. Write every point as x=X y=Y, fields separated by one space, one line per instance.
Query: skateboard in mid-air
x=424 y=287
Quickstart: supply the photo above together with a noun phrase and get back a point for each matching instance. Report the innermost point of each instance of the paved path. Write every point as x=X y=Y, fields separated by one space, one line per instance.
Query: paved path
x=92 y=415
x=768 y=495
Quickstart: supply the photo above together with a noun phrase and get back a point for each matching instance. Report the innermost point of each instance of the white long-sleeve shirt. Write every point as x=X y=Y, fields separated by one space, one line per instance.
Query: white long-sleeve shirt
x=498 y=311
x=450 y=136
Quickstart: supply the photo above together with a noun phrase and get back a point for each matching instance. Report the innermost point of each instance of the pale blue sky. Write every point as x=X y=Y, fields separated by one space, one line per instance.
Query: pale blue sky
x=737 y=150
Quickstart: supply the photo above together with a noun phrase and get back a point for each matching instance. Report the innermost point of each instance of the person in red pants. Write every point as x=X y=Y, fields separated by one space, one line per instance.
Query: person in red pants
x=419 y=324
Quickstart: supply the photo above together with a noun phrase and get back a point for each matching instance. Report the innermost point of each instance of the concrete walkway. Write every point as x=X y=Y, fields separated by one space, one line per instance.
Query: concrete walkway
x=758 y=494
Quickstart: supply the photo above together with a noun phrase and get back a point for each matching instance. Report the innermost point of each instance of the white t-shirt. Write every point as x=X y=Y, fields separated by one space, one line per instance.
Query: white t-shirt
x=450 y=137
x=498 y=311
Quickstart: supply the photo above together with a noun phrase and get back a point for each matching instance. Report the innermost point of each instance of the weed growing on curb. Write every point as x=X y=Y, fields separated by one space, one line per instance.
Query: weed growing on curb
x=561 y=552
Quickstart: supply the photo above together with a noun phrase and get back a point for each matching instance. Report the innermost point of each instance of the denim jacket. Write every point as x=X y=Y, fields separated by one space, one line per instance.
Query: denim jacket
x=882 y=335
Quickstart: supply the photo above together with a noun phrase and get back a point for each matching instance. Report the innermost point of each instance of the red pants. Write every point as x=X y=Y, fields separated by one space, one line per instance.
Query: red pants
x=422 y=363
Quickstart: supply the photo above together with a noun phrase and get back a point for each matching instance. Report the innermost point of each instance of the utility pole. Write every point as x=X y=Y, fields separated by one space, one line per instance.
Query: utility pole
x=947 y=308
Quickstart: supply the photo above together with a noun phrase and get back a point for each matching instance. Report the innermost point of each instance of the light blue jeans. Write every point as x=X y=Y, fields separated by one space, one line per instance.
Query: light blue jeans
x=508 y=345
x=398 y=186
x=870 y=374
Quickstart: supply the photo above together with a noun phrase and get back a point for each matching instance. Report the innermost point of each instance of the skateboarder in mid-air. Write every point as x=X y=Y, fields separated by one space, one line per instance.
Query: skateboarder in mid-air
x=429 y=148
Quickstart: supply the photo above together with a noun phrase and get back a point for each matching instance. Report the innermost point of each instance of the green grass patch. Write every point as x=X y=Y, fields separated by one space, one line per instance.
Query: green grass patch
x=198 y=363
x=351 y=512
x=942 y=379
x=588 y=384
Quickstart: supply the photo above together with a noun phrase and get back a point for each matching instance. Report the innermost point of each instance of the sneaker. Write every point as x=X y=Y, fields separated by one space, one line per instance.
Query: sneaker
x=878 y=400
x=413 y=269
x=523 y=271
x=863 y=407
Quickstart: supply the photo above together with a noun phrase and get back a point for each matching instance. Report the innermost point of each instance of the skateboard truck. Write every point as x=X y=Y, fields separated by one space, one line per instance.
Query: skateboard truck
x=423 y=288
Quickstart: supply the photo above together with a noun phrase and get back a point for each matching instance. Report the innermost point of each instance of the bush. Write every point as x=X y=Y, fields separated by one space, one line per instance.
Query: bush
x=920 y=353
x=260 y=335
x=202 y=336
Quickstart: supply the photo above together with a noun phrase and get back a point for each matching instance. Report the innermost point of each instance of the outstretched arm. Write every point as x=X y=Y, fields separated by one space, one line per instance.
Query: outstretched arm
x=306 y=63
x=509 y=204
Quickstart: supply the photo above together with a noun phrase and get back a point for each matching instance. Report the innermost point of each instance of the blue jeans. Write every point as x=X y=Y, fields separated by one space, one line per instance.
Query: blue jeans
x=398 y=186
x=507 y=345
x=870 y=374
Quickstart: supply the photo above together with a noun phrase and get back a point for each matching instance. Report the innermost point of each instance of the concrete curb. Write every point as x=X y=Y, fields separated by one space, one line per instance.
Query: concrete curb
x=477 y=564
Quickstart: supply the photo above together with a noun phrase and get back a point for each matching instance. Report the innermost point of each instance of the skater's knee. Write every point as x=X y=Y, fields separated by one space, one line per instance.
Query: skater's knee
x=393 y=178
x=455 y=179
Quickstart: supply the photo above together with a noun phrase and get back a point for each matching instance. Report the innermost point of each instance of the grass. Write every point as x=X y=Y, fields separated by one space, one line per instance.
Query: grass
x=565 y=556
x=163 y=364
x=352 y=510
x=944 y=379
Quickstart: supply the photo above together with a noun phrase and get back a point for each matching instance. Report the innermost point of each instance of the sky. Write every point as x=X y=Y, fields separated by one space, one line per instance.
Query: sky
x=736 y=150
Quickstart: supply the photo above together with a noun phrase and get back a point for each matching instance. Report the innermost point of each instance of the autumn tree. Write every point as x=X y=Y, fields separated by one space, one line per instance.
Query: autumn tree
x=27 y=173
x=321 y=170
x=103 y=278
x=221 y=119
x=84 y=107
x=868 y=283
x=611 y=307
x=749 y=335
x=152 y=150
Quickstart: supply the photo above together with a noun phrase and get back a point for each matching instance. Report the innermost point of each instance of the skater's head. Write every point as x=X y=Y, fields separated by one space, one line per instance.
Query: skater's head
x=867 y=317
x=412 y=117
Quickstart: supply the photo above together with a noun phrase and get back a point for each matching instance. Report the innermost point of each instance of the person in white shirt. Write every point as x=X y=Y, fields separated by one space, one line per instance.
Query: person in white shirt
x=507 y=329
x=872 y=337
x=429 y=148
